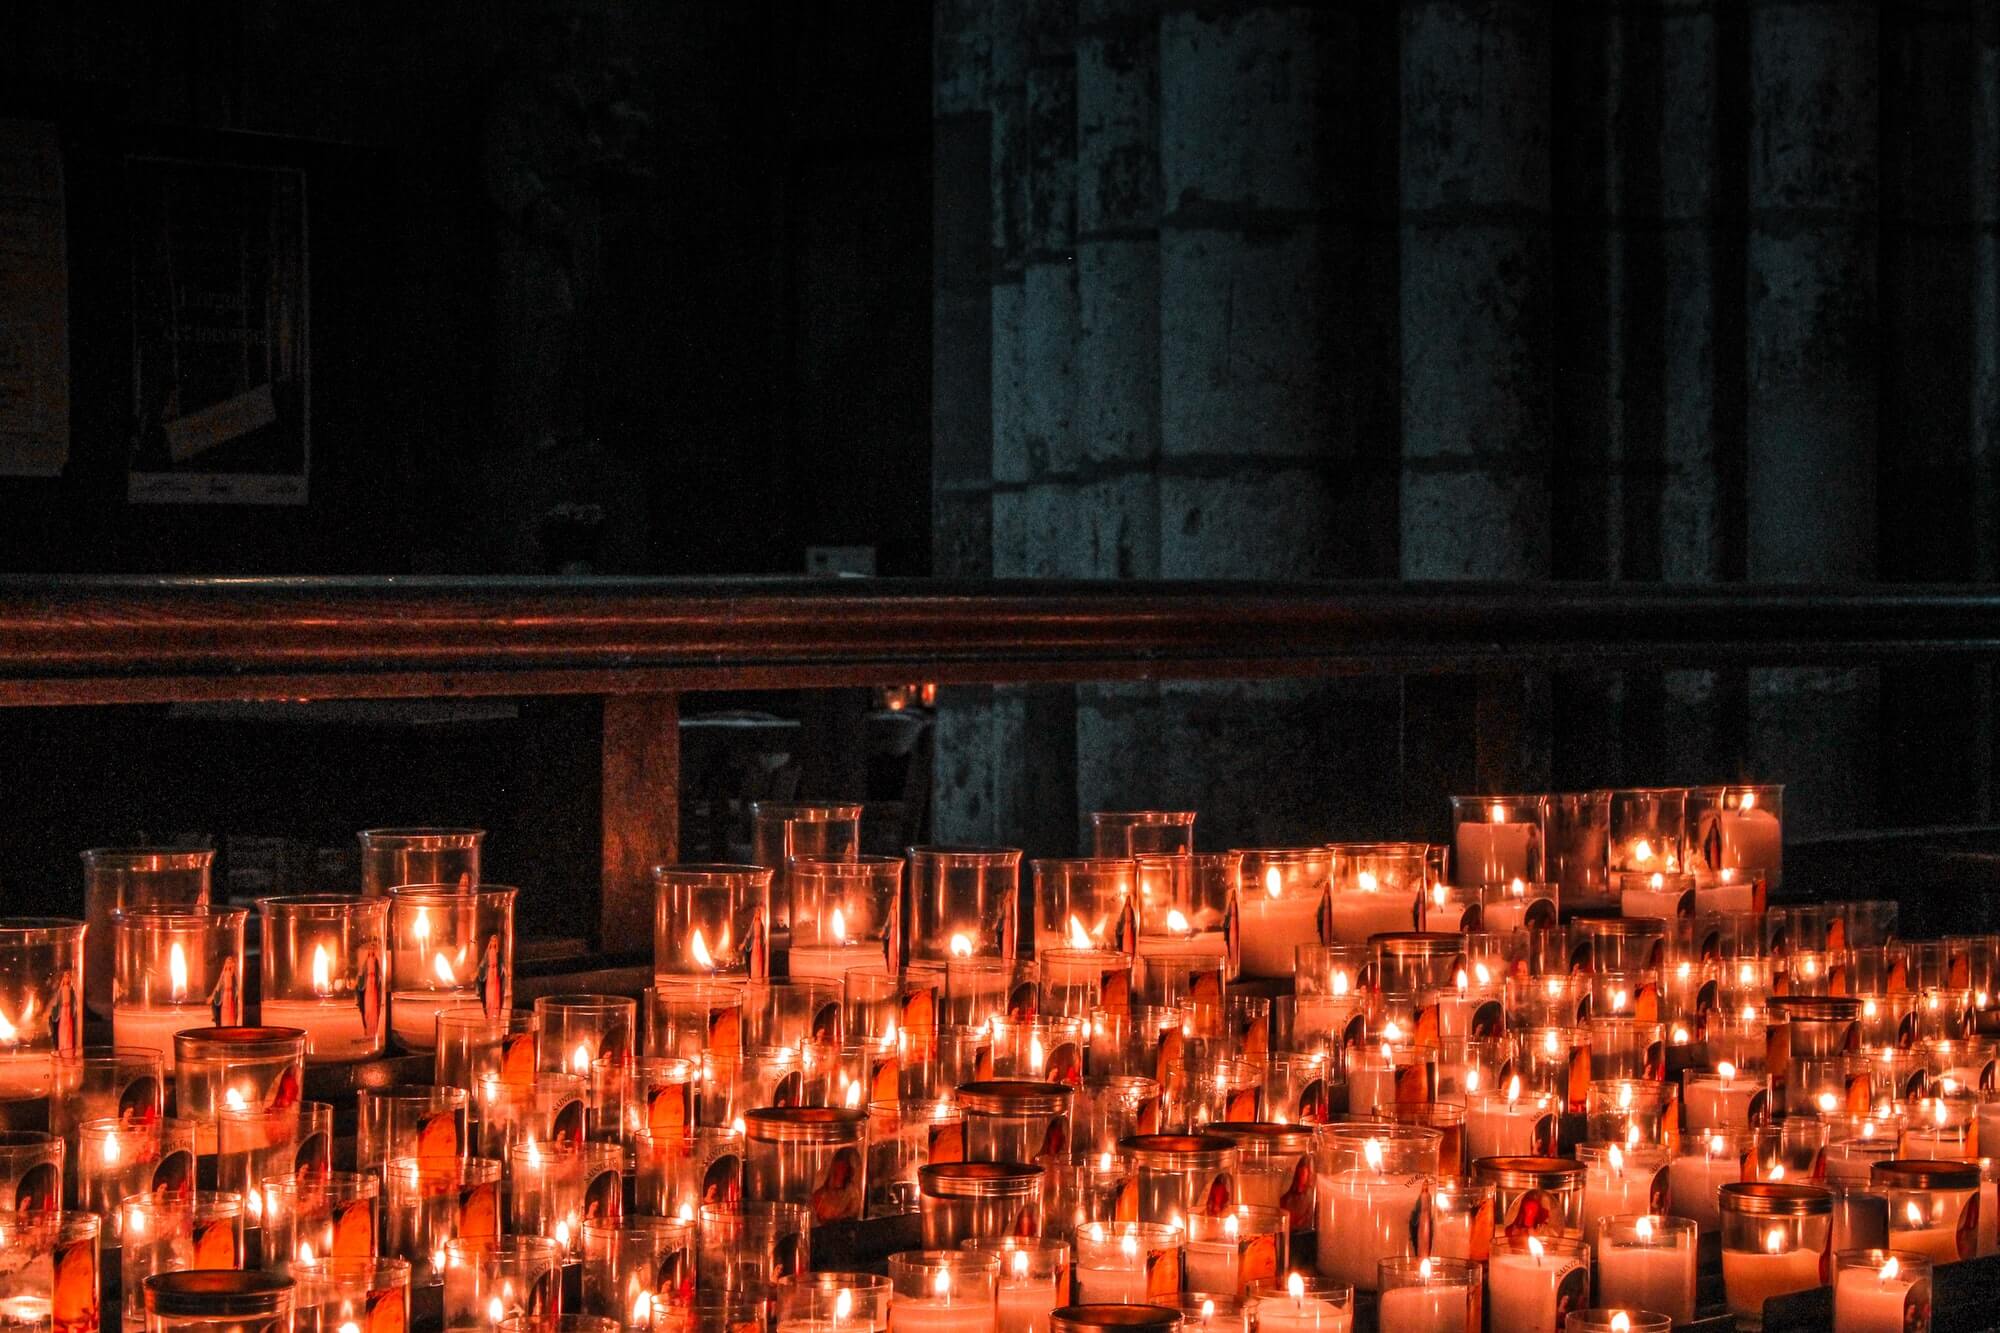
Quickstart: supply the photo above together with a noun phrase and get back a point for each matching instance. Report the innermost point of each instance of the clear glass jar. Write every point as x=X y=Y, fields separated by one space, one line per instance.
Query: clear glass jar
x=427 y=1203
x=632 y=1264
x=965 y=903
x=326 y=972
x=1534 y=1196
x=1016 y=1121
x=1129 y=1263
x=1498 y=838
x=236 y=1067
x=393 y=857
x=813 y=1156
x=1777 y=1238
x=1181 y=1175
x=1933 y=1208
x=41 y=1001
x=963 y=1201
x=175 y=969
x=712 y=921
x=450 y=948
x=214 y=1301
x=783 y=830
x=117 y=879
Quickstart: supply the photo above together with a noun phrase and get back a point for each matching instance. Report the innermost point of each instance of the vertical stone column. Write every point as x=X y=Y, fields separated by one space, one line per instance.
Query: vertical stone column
x=1813 y=373
x=1476 y=276
x=962 y=324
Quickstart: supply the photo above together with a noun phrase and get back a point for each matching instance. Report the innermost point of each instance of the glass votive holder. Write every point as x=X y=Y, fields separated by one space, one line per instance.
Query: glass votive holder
x=693 y=1018
x=1534 y=1196
x=844 y=914
x=782 y=832
x=1300 y=1303
x=1932 y=1207
x=1183 y=901
x=675 y=1175
x=1627 y=1048
x=1384 y=1075
x=1576 y=853
x=1117 y=833
x=118 y=879
x=1034 y=1279
x=1705 y=1163
x=1447 y=1118
x=1085 y=903
x=449 y=947
x=175 y=969
x=474 y=1048
x=1518 y=904
x=325 y=972
x=427 y=1203
x=1496 y=839
x=1113 y=1107
x=337 y=1215
x=712 y=921
x=964 y=903
x=752 y=1244
x=41 y=1001
x=1297 y=1088
x=156 y=1236
x=1433 y=1292
x=1614 y=1319
x=1461 y=1218
x=979 y=990
x=1647 y=1262
x=1793 y=1148
x=1093 y=1189
x=1180 y=1175
x=410 y=1120
x=345 y=1295
x=828 y=1301
x=1039 y=1049
x=1371 y=1191
x=1777 y=1238
x=1455 y=908
x=96 y=1082
x=487 y=1282
x=1128 y=1263
x=1012 y=1120
x=1628 y=1110
x=1739 y=828
x=1719 y=1098
x=633 y=1264
x=1274 y=1168
x=1510 y=1122
x=1531 y=1281
x=904 y=1136
x=1229 y=1251
x=394 y=857
x=787 y=1013
x=1945 y=1126
x=654 y=1093
x=1647 y=828
x=808 y=1155
x=213 y=1301
x=551 y=1110
x=961 y=1201
x=1076 y=981
x=31 y=1171
x=1661 y=895
x=717 y=1311
x=545 y=1186
x=1856 y=1141
x=879 y=1001
x=1279 y=893
x=1881 y=1291
x=580 y=1029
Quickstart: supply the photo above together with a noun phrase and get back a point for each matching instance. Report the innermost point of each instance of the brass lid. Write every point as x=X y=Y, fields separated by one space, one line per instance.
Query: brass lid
x=1007 y=1096
x=805 y=1124
x=1771 y=1198
x=1827 y=1008
x=1179 y=1152
x=1517 y=1173
x=218 y=1293
x=979 y=1180
x=1126 y=1318
x=1920 y=1173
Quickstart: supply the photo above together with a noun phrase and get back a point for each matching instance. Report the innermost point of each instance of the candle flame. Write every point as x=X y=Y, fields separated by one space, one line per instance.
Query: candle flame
x=1340 y=983
x=1273 y=883
x=1774 y=1240
x=1617 y=1160
x=1391 y=1031
x=421 y=927
x=495 y=1311
x=1128 y=1246
x=1479 y=971
x=1463 y=981
x=1549 y=1042
x=737 y=1126
x=1295 y=1284
x=1497 y=814
x=1658 y=881
x=687 y=1212
x=941 y=1284
x=642 y=1309
x=1619 y=1001
x=1914 y=1213
x=579 y=1058
x=1777 y=1172
x=961 y=946
x=442 y=967
x=1372 y=1150
x=1645 y=1228
x=1423 y=1270
x=1624 y=1096
x=305 y=1251
x=1890 y=1268
x=1828 y=1103
x=1207 y=1310
x=1518 y=889
x=322 y=977
x=1020 y=1263
x=1868 y=1129
x=1938 y=1112
x=1748 y=801
x=1366 y=881
x=233 y=1099
x=1620 y=1323
x=1535 y=1248
x=1079 y=938
x=1642 y=850
x=1036 y=1056
x=1229 y=1227
x=111 y=1153
x=843 y=1303
x=1727 y=1070
x=1681 y=1036
x=1472 y=1078
x=1178 y=923
x=698 y=950
x=1513 y=1091
x=177 y=971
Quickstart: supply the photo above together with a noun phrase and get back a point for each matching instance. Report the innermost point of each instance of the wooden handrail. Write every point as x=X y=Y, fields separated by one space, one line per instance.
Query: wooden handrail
x=90 y=640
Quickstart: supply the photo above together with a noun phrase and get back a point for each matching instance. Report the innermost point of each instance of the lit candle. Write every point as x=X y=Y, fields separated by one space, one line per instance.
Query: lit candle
x=1720 y=1100
x=830 y=959
x=335 y=1025
x=1890 y=1297
x=949 y=1309
x=1493 y=850
x=1751 y=1277
x=1530 y=1286
x=1370 y=908
x=1622 y=1181
x=1694 y=1177
x=1648 y=1263
x=1752 y=837
x=1297 y=1312
x=1375 y=1215
x=1426 y=1305
x=1502 y=1125
x=153 y=1026
x=1276 y=922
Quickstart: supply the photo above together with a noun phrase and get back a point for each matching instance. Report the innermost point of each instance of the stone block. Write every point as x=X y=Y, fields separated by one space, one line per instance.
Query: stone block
x=1117 y=130
x=1008 y=384
x=1815 y=81
x=1475 y=94
x=1250 y=524
x=1118 y=350
x=1814 y=729
x=1475 y=525
x=1051 y=103
x=1476 y=337
x=1048 y=386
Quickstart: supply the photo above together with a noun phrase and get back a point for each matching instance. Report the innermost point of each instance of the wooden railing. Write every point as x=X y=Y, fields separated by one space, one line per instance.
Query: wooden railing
x=640 y=642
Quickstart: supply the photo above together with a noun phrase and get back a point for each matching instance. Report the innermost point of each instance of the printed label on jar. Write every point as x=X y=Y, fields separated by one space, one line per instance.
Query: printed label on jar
x=947 y=1141
x=139 y=1102
x=215 y=1244
x=387 y=1312
x=722 y=1180
x=74 y=1307
x=669 y=1108
x=1163 y=1274
x=518 y=1054
x=836 y=1195
x=313 y=1159
x=604 y=1197
x=567 y=1124
x=1219 y=1197
x=438 y=1134
x=354 y=1229
x=173 y=1175
x=1533 y=1212
x=1297 y=1200
x=479 y=1212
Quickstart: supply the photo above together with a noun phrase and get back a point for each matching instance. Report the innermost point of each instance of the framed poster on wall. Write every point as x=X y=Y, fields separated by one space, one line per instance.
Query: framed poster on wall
x=221 y=332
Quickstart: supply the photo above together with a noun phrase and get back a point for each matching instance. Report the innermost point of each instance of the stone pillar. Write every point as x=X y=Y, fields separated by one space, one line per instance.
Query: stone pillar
x=961 y=359
x=1813 y=373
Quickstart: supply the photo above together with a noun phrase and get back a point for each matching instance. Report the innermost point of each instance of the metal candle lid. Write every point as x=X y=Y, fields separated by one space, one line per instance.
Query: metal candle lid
x=1125 y=1318
x=1521 y=1173
x=1826 y=1008
x=1258 y=1138
x=1178 y=1152
x=218 y=1293
x=1006 y=1096
x=1917 y=1173
x=804 y=1124
x=979 y=1180
x=1770 y=1198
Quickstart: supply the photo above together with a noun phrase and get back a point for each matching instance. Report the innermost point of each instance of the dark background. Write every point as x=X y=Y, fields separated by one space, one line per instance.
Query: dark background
x=1487 y=289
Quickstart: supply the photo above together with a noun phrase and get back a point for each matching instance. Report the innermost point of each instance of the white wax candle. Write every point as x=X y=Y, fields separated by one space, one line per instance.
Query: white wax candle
x=1424 y=1310
x=1357 y=914
x=1486 y=852
x=1495 y=1128
x=1752 y=840
x=1302 y=1314
x=1749 y=1279
x=1664 y=904
x=1375 y=1218
x=1623 y=1192
x=1648 y=1277
x=1109 y=1286
x=153 y=1025
x=830 y=962
x=1720 y=1102
x=332 y=1026
x=1865 y=1300
x=1272 y=929
x=26 y=1073
x=1525 y=1291
x=1734 y=896
x=941 y=1316
x=413 y=1014
x=1212 y=1265
x=1693 y=1182
x=1201 y=946
x=1025 y=1304
x=1938 y=1244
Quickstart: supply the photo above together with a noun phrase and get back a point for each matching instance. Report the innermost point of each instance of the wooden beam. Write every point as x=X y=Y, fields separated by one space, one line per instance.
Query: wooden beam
x=642 y=814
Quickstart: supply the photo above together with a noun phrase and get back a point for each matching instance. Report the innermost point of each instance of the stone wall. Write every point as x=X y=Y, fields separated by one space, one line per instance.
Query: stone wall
x=1490 y=289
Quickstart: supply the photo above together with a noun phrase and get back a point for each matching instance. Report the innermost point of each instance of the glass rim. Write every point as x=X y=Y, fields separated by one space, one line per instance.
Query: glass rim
x=251 y=1042
x=156 y=914
x=223 y=1292
x=808 y=812
x=195 y=858
x=964 y=856
x=710 y=873
x=422 y=837
x=39 y=929
x=443 y=892
x=330 y=904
